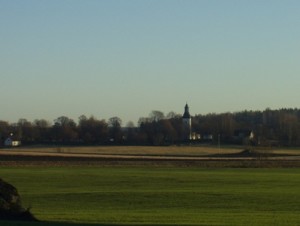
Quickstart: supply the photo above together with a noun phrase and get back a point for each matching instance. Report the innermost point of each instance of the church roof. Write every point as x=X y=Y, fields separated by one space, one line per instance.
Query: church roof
x=186 y=113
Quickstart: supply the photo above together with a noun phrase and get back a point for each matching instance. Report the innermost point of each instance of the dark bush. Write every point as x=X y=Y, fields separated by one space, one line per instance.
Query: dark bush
x=10 y=204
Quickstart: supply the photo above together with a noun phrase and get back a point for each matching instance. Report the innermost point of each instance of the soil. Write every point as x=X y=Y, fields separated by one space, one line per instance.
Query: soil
x=245 y=158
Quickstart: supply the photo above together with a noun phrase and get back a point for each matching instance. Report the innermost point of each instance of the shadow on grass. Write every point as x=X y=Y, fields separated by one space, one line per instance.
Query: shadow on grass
x=27 y=223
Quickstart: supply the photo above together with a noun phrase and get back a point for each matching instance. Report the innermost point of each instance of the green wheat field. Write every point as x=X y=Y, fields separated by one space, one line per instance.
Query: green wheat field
x=157 y=195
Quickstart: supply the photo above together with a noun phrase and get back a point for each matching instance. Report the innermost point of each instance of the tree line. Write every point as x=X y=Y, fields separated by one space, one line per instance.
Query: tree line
x=270 y=127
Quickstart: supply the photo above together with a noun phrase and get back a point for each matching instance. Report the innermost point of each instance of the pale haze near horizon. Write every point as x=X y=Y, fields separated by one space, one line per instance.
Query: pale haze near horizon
x=127 y=58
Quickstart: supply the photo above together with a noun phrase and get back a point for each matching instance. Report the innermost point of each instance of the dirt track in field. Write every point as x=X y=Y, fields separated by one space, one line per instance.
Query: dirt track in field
x=21 y=157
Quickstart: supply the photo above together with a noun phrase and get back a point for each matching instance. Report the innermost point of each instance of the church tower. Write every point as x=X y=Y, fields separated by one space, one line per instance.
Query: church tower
x=187 y=123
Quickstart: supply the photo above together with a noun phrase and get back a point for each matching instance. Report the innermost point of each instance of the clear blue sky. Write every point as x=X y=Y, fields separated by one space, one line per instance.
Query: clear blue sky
x=127 y=58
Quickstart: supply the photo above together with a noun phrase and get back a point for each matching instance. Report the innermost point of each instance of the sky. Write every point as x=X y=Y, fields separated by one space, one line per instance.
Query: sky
x=128 y=58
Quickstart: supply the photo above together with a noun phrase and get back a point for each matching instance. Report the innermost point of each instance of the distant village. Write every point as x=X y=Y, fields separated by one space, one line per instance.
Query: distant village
x=270 y=128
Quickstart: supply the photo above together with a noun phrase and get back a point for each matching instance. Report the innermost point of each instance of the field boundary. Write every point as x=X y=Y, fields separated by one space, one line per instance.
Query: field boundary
x=212 y=159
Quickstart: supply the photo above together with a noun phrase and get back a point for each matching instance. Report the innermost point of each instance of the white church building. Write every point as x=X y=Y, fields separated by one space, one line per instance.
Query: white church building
x=187 y=126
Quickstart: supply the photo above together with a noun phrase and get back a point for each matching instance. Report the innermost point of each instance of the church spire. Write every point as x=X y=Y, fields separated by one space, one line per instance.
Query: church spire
x=186 y=113
x=187 y=123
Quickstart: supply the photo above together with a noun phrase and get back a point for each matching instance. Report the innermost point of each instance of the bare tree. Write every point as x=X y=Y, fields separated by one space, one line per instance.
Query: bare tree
x=156 y=115
x=64 y=130
x=114 y=124
x=172 y=114
x=92 y=131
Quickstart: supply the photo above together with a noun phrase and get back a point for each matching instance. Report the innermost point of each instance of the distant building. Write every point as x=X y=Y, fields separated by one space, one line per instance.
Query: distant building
x=243 y=136
x=196 y=136
x=10 y=142
x=207 y=137
x=187 y=124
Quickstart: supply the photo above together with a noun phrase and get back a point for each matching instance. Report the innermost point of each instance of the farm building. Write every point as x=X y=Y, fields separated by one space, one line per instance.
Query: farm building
x=243 y=136
x=10 y=142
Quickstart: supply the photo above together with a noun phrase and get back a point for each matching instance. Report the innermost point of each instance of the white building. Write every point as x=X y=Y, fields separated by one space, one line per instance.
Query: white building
x=187 y=123
x=9 y=142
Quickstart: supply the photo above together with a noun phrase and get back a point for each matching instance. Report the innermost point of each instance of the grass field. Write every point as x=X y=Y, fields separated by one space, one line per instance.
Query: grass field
x=131 y=195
